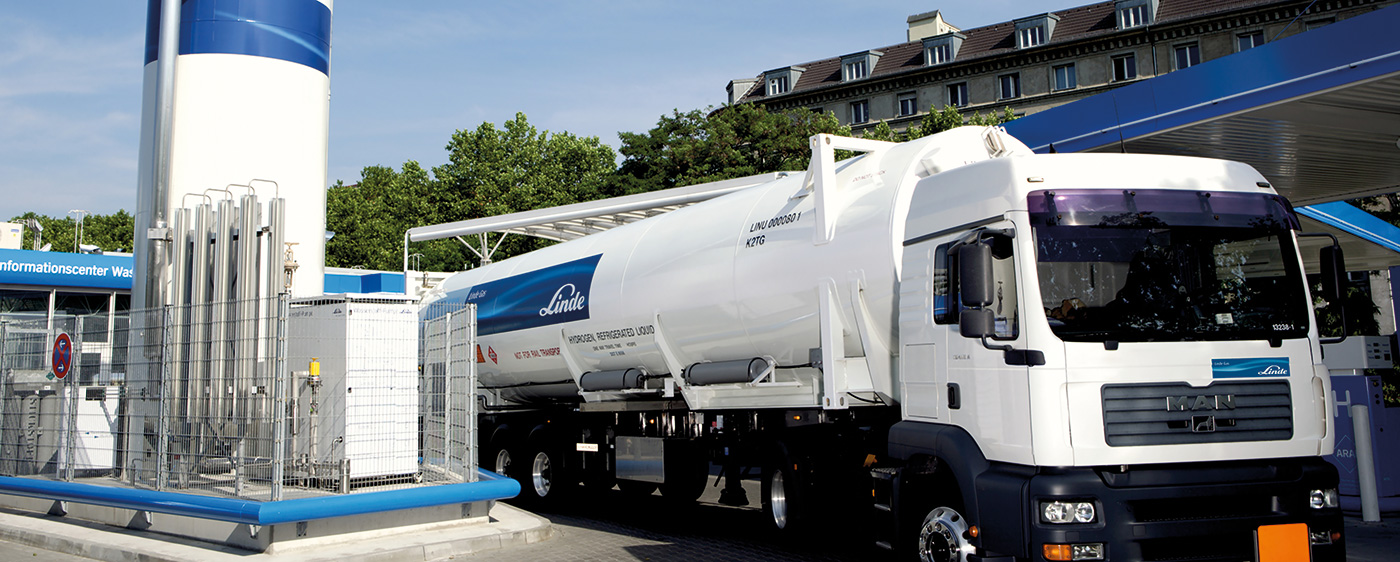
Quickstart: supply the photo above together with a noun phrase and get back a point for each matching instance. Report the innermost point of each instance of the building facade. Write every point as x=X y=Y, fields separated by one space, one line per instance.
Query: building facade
x=1035 y=62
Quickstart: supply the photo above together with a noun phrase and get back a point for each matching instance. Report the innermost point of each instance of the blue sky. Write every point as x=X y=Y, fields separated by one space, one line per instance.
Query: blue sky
x=406 y=75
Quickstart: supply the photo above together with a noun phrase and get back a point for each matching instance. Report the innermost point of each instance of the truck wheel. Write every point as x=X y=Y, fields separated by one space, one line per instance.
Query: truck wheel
x=782 y=492
x=943 y=537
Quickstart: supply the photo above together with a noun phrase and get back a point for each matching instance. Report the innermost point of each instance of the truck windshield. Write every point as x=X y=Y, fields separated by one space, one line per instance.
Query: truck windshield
x=1167 y=265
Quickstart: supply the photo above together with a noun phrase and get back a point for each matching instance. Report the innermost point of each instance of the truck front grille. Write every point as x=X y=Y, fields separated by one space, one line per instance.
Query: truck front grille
x=1177 y=413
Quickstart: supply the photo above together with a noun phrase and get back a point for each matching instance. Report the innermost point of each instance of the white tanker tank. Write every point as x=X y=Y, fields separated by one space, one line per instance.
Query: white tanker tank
x=726 y=302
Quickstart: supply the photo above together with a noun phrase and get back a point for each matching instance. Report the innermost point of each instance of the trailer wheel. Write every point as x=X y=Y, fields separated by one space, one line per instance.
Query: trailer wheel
x=782 y=491
x=501 y=463
x=541 y=474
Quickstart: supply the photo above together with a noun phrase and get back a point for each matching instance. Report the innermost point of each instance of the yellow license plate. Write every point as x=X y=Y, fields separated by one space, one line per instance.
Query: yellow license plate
x=1284 y=543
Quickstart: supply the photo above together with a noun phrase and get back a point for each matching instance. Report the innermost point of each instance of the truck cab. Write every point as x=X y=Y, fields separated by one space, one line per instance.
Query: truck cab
x=1123 y=347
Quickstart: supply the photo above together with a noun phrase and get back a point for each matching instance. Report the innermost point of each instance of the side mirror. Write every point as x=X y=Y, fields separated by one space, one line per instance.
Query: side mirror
x=1333 y=267
x=975 y=288
x=976 y=323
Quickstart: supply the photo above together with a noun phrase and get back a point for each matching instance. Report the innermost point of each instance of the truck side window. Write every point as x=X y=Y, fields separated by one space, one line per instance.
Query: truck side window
x=945 y=289
x=1004 y=308
x=945 y=310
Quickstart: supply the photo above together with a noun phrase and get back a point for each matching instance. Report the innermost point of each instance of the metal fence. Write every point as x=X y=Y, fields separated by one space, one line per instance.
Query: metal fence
x=263 y=399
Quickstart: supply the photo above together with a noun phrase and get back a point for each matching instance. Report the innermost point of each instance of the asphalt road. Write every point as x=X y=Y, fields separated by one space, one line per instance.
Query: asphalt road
x=612 y=526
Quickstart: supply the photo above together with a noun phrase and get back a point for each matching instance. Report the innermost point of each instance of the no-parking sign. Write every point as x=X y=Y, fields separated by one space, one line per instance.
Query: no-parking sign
x=62 y=355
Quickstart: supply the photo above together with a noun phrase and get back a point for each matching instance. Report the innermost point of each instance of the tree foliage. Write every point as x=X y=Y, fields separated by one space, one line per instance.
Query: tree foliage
x=490 y=171
x=711 y=145
x=110 y=233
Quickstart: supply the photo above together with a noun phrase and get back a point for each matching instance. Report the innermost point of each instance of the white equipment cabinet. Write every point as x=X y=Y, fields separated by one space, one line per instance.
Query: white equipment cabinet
x=360 y=414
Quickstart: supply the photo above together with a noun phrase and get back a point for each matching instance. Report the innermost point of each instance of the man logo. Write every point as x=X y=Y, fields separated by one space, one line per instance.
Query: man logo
x=1203 y=424
x=1202 y=402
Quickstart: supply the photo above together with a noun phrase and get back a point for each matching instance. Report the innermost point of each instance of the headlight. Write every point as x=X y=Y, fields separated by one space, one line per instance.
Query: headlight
x=1319 y=499
x=1067 y=512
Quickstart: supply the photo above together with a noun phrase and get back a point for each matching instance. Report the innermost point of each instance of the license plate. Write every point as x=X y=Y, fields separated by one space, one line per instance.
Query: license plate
x=1284 y=543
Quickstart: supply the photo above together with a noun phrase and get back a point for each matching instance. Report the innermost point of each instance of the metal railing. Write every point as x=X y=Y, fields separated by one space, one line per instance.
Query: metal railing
x=260 y=399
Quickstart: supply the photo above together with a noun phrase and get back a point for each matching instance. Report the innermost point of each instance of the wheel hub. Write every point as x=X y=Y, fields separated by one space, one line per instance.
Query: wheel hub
x=541 y=474
x=941 y=539
x=777 y=499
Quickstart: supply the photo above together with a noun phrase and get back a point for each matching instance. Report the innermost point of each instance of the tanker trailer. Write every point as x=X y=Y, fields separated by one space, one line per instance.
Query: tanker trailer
x=984 y=352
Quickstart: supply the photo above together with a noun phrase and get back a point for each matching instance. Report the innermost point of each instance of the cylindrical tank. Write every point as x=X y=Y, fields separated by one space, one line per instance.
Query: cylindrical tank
x=734 y=278
x=252 y=102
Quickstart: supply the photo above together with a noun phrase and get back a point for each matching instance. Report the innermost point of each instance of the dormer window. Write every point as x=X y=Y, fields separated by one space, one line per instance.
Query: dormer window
x=782 y=80
x=942 y=49
x=859 y=65
x=1135 y=13
x=778 y=85
x=1035 y=31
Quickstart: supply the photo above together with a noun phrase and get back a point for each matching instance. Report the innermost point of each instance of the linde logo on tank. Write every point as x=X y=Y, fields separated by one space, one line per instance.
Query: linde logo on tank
x=567 y=299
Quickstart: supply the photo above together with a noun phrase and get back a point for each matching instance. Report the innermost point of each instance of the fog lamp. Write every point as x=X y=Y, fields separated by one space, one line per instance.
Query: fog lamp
x=1320 y=499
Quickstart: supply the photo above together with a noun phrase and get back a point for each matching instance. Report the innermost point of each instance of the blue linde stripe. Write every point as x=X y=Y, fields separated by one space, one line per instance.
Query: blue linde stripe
x=297 y=31
x=544 y=297
x=1249 y=367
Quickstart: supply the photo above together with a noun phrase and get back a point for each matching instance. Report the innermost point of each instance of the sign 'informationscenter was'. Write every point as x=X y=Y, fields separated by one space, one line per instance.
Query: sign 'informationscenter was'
x=61 y=269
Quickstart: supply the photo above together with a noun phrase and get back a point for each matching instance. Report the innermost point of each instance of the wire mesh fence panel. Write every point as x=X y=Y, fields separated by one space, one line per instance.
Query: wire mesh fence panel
x=448 y=390
x=58 y=426
x=263 y=399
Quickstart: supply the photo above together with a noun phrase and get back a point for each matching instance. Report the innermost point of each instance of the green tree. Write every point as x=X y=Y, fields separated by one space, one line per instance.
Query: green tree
x=882 y=131
x=490 y=171
x=939 y=120
x=717 y=144
x=369 y=218
x=110 y=233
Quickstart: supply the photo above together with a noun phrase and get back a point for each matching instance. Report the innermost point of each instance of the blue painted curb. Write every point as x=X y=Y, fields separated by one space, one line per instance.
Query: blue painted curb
x=492 y=486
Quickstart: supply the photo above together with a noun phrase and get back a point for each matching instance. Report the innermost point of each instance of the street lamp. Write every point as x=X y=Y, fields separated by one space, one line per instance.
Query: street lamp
x=78 y=228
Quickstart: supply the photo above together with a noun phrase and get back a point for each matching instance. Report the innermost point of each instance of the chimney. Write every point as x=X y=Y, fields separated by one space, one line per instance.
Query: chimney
x=928 y=24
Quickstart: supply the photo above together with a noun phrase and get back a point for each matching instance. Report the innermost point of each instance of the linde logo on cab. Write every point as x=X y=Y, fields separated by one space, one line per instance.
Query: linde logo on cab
x=1273 y=371
x=567 y=299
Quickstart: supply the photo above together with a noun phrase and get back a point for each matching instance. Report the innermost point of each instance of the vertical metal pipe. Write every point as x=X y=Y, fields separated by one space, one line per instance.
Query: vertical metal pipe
x=196 y=406
x=281 y=389
x=155 y=276
x=246 y=276
x=1365 y=463
x=219 y=333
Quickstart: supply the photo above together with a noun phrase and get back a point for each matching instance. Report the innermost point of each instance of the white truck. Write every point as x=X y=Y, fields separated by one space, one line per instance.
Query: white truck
x=1001 y=355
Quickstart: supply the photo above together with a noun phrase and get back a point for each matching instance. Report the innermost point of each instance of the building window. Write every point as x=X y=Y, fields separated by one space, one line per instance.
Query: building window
x=860 y=112
x=1064 y=77
x=1032 y=36
x=939 y=54
x=1188 y=56
x=856 y=70
x=1009 y=86
x=942 y=49
x=1035 y=30
x=1247 y=41
x=777 y=85
x=1134 y=13
x=908 y=104
x=1132 y=16
x=782 y=80
x=1124 y=67
x=957 y=94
